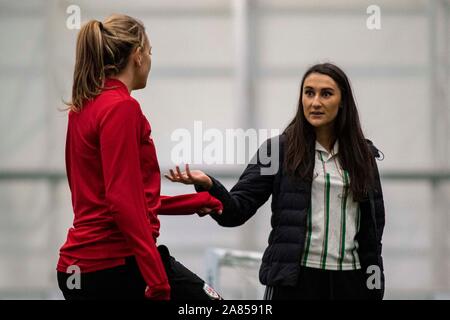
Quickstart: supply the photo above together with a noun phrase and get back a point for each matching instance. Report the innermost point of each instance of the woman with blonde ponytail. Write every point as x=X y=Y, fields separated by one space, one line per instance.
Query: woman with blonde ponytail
x=114 y=177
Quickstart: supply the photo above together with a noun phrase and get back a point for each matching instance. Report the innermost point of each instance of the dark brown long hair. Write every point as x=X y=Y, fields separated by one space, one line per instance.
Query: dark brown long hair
x=354 y=154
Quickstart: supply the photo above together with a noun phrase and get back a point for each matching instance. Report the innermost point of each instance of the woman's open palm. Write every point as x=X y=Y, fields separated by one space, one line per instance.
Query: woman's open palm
x=190 y=177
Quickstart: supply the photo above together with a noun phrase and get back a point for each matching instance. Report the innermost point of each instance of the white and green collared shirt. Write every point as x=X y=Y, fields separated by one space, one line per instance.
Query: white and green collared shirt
x=333 y=218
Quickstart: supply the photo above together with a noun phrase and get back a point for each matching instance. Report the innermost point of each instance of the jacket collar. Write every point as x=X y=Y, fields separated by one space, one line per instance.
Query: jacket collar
x=111 y=84
x=325 y=152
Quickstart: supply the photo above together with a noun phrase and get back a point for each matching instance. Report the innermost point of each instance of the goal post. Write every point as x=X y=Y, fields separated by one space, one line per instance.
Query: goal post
x=234 y=273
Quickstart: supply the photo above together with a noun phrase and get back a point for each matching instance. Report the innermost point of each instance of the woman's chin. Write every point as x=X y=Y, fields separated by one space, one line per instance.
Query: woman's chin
x=316 y=123
x=141 y=85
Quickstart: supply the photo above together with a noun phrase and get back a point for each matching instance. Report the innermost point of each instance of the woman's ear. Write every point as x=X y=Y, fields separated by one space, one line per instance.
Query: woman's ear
x=137 y=56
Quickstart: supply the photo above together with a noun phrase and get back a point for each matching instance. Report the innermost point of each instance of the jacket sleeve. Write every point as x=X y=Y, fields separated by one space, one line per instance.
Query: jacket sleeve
x=250 y=192
x=120 y=134
x=378 y=200
x=188 y=203
x=380 y=221
x=379 y=211
x=376 y=205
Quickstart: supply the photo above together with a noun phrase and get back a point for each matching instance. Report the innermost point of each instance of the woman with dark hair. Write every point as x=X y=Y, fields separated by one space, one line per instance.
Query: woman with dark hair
x=114 y=177
x=327 y=203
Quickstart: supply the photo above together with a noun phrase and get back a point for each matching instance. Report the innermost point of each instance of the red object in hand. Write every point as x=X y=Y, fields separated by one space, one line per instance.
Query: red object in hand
x=216 y=204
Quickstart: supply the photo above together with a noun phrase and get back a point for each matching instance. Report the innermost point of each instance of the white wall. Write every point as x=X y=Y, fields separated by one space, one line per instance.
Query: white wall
x=193 y=78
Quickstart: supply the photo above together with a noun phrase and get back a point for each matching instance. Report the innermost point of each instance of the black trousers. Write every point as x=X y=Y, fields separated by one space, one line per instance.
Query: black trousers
x=318 y=284
x=126 y=282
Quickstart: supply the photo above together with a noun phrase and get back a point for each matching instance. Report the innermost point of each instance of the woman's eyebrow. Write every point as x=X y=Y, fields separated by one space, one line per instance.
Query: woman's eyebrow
x=322 y=89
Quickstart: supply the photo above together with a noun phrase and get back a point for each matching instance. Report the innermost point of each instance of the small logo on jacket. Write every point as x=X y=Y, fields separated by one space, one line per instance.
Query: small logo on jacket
x=211 y=292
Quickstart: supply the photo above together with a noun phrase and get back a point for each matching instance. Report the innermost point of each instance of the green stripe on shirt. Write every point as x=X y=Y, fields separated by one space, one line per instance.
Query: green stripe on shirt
x=343 y=219
x=327 y=220
x=308 y=241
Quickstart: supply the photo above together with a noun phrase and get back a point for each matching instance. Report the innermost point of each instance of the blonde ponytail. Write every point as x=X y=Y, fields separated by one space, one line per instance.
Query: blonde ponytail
x=102 y=50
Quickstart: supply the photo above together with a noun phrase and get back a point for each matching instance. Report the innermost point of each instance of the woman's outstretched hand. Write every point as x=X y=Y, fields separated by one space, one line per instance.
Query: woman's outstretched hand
x=190 y=177
x=193 y=177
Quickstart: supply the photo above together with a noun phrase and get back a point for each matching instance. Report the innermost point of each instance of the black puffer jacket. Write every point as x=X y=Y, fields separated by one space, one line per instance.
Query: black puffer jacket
x=290 y=202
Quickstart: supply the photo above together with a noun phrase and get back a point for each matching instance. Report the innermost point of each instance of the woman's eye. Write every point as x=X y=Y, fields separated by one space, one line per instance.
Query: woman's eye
x=326 y=94
x=309 y=93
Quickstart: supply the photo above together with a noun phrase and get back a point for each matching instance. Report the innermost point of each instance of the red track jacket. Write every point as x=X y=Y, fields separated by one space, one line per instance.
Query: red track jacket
x=114 y=178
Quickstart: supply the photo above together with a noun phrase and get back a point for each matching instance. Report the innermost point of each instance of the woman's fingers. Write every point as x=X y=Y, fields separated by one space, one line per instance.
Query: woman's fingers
x=205 y=210
x=180 y=175
x=170 y=178
x=173 y=176
x=185 y=177
x=202 y=212
x=188 y=172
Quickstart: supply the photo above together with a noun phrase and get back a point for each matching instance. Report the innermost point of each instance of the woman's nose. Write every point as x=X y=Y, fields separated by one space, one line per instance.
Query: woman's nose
x=316 y=101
